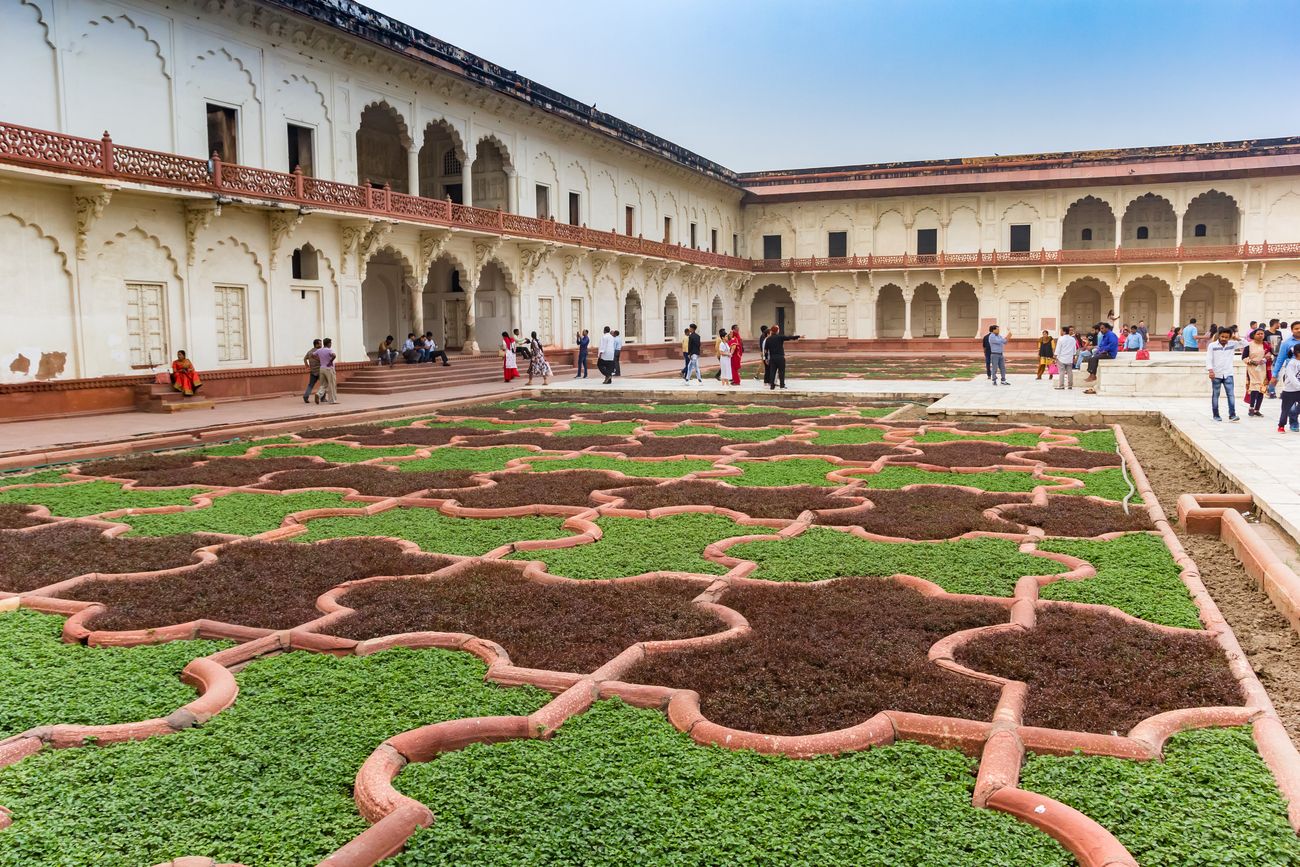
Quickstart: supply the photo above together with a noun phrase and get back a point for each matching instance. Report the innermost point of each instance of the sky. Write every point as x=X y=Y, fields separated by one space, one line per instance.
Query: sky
x=760 y=85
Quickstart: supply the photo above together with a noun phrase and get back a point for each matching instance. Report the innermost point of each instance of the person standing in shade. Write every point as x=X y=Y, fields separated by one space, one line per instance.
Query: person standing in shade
x=686 y=351
x=1188 y=342
x=328 y=390
x=312 y=360
x=605 y=355
x=1288 y=379
x=1067 y=354
x=584 y=341
x=997 y=355
x=618 y=352
x=693 y=346
x=1219 y=358
x=776 y=355
x=386 y=354
x=431 y=347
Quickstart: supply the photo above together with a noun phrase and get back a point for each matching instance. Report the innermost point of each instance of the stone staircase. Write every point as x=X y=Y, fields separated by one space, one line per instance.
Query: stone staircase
x=464 y=370
x=161 y=397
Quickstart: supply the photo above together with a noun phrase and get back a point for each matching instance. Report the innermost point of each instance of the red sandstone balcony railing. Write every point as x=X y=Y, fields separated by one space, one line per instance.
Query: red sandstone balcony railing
x=103 y=159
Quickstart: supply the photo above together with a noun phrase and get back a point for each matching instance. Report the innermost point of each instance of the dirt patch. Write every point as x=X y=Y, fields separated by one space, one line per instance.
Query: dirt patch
x=561 y=488
x=563 y=627
x=863 y=452
x=373 y=481
x=56 y=553
x=1076 y=516
x=1070 y=457
x=931 y=512
x=270 y=585
x=812 y=664
x=755 y=502
x=12 y=517
x=1266 y=637
x=1091 y=672
x=168 y=470
x=662 y=447
x=960 y=453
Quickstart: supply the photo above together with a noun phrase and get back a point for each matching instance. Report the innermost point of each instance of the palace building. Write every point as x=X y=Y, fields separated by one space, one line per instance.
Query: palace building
x=237 y=177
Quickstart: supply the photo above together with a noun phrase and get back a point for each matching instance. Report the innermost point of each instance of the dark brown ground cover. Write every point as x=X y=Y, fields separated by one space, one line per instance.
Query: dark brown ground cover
x=270 y=585
x=168 y=470
x=413 y=436
x=826 y=657
x=541 y=440
x=1068 y=456
x=575 y=626
x=14 y=516
x=370 y=480
x=624 y=415
x=521 y=414
x=1066 y=515
x=929 y=512
x=662 y=447
x=973 y=453
x=58 y=552
x=560 y=488
x=1088 y=671
x=755 y=502
x=341 y=431
x=863 y=452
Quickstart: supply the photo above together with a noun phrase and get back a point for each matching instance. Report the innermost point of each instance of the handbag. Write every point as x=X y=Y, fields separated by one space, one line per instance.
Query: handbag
x=1052 y=369
x=1142 y=355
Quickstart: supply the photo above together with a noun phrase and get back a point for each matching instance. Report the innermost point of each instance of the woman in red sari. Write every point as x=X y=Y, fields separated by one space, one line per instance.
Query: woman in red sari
x=509 y=362
x=737 y=349
x=185 y=378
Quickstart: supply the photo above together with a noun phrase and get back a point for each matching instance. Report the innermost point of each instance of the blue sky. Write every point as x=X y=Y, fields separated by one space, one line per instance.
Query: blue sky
x=763 y=85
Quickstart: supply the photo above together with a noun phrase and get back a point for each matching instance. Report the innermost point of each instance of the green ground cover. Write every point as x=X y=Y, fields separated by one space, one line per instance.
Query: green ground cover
x=787 y=471
x=239 y=447
x=1097 y=440
x=339 y=453
x=849 y=436
x=641 y=469
x=989 y=567
x=485 y=424
x=40 y=477
x=1108 y=484
x=1135 y=573
x=744 y=435
x=436 y=532
x=1020 y=438
x=631 y=546
x=92 y=498
x=266 y=782
x=239 y=513
x=1211 y=802
x=618 y=785
x=46 y=681
x=487 y=460
x=998 y=481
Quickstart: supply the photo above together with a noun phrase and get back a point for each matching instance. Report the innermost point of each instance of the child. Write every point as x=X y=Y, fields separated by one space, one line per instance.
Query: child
x=1288 y=380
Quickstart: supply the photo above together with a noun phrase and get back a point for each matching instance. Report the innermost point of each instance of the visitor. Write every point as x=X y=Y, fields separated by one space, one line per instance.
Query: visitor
x=1285 y=349
x=605 y=355
x=1259 y=364
x=1221 y=354
x=1107 y=348
x=618 y=353
x=185 y=378
x=1111 y=318
x=409 y=345
x=537 y=364
x=1135 y=340
x=1142 y=329
x=997 y=355
x=312 y=360
x=1288 y=378
x=584 y=341
x=328 y=390
x=693 y=348
x=431 y=348
x=1067 y=356
x=988 y=355
x=1189 y=337
x=1046 y=352
x=762 y=354
x=386 y=354
x=509 y=361
x=686 y=351
x=776 y=355
x=1172 y=336
x=1273 y=337
x=737 y=352
x=723 y=350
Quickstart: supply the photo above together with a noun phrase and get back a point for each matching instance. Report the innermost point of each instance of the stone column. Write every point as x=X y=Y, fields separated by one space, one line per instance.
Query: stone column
x=907 y=312
x=1177 y=292
x=413 y=170
x=943 y=313
x=1178 y=229
x=512 y=204
x=1119 y=228
x=466 y=182
x=470 y=346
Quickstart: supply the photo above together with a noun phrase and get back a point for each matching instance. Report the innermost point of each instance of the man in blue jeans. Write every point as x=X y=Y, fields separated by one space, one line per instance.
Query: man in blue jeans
x=997 y=361
x=1219 y=359
x=584 y=340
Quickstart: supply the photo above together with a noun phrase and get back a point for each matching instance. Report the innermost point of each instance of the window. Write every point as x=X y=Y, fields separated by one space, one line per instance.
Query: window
x=927 y=242
x=1019 y=239
x=1199 y=231
x=543 y=194
x=575 y=209
x=629 y=220
x=231 y=342
x=668 y=230
x=713 y=240
x=223 y=129
x=301 y=152
x=735 y=244
x=771 y=246
x=451 y=164
x=1143 y=233
x=837 y=245
x=1085 y=235
x=575 y=314
x=693 y=244
x=306 y=263
x=146 y=338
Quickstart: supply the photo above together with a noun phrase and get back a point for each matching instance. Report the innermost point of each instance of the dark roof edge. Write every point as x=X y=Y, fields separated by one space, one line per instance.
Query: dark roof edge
x=367 y=24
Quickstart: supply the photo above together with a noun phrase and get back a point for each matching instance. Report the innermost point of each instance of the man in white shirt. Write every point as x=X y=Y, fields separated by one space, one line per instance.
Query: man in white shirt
x=605 y=356
x=1067 y=352
x=1219 y=359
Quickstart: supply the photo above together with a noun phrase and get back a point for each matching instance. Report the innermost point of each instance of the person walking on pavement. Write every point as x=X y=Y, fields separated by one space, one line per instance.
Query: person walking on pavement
x=328 y=390
x=1067 y=351
x=1219 y=358
x=1289 y=384
x=312 y=360
x=605 y=355
x=693 y=347
x=618 y=351
x=686 y=351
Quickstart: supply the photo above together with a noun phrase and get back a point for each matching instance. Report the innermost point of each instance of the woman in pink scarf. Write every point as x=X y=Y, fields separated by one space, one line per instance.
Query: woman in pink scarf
x=737 y=349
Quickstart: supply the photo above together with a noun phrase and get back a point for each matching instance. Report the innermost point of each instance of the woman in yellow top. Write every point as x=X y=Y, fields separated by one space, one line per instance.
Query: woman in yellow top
x=1046 y=353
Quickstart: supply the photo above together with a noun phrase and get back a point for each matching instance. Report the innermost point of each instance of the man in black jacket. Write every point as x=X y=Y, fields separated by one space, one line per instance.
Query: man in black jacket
x=693 y=347
x=775 y=351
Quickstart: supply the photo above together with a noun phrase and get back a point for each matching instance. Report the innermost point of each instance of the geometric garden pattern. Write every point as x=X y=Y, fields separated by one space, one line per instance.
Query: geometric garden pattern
x=612 y=633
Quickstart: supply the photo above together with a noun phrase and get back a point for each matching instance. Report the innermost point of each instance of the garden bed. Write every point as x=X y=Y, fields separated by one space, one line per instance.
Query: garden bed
x=38 y=558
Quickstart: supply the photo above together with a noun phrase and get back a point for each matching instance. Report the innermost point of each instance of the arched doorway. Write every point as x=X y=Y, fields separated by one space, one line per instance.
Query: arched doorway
x=384 y=294
x=890 y=311
x=671 y=326
x=715 y=315
x=1147 y=299
x=1089 y=224
x=490 y=176
x=442 y=161
x=963 y=311
x=927 y=311
x=1084 y=303
x=1211 y=299
x=772 y=305
x=1149 y=221
x=632 y=317
x=382 y=142
x=1211 y=219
